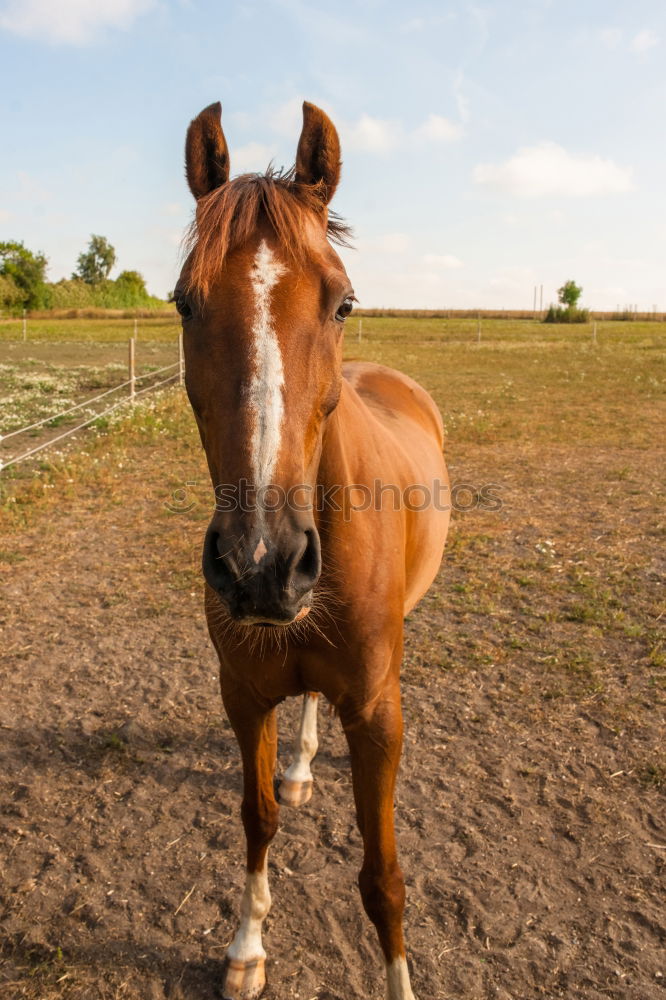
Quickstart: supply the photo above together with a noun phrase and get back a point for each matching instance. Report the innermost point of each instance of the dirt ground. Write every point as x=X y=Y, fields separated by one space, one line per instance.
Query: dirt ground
x=530 y=808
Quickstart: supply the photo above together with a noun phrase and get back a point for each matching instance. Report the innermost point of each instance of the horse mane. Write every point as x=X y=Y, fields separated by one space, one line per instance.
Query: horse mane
x=228 y=216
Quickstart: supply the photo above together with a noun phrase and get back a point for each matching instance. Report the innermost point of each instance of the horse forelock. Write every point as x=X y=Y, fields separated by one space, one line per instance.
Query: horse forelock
x=229 y=216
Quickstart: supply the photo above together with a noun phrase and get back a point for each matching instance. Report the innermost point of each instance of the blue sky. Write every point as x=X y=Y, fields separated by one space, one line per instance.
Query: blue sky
x=487 y=147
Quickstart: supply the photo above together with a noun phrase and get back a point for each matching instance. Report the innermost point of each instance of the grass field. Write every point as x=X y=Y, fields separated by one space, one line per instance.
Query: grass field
x=535 y=680
x=518 y=367
x=163 y=327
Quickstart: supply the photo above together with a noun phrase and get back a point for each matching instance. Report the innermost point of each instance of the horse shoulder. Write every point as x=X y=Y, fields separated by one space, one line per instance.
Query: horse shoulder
x=394 y=397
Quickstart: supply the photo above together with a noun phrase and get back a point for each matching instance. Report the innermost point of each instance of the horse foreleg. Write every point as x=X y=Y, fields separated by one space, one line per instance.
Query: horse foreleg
x=374 y=735
x=256 y=731
x=296 y=785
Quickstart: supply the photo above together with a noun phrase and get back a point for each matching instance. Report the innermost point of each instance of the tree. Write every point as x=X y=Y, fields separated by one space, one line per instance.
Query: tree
x=94 y=265
x=10 y=293
x=27 y=270
x=133 y=282
x=569 y=294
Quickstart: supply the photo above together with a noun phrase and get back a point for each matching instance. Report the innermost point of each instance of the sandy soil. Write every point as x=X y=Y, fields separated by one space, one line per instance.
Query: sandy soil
x=530 y=809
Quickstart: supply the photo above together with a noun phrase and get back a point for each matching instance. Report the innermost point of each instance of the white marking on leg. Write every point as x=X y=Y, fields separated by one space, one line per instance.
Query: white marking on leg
x=255 y=904
x=398 y=986
x=267 y=382
x=305 y=744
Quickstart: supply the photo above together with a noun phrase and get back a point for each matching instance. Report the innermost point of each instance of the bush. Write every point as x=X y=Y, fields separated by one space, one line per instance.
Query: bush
x=128 y=291
x=558 y=314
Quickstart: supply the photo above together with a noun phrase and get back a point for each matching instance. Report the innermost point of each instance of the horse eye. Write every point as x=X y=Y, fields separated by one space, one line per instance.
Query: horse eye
x=344 y=310
x=183 y=307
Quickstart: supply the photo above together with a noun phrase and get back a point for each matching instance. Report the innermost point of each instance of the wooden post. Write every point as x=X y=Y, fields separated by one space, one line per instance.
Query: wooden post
x=478 y=328
x=25 y=327
x=594 y=332
x=132 y=370
x=541 y=301
x=534 y=310
x=181 y=360
x=136 y=324
x=360 y=330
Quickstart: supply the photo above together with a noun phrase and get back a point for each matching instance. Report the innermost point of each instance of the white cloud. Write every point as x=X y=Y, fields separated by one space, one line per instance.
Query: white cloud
x=287 y=120
x=4 y=215
x=611 y=37
x=481 y=17
x=374 y=135
x=549 y=170
x=252 y=156
x=512 y=278
x=438 y=129
x=462 y=101
x=644 y=40
x=386 y=243
x=421 y=23
x=30 y=189
x=393 y=243
x=74 y=22
x=367 y=134
x=446 y=260
x=379 y=135
x=413 y=24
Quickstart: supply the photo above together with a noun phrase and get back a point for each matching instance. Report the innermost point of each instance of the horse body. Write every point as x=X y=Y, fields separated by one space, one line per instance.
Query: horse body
x=405 y=450
x=309 y=597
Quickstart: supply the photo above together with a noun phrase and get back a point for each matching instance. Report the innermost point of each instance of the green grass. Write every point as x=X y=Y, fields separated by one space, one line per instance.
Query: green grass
x=521 y=384
x=524 y=381
x=164 y=327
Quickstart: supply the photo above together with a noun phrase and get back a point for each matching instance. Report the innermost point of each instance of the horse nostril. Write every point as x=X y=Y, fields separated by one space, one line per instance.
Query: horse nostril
x=226 y=556
x=219 y=565
x=307 y=566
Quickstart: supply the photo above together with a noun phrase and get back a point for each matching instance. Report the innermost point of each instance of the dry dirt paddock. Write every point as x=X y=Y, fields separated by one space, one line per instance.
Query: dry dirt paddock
x=530 y=807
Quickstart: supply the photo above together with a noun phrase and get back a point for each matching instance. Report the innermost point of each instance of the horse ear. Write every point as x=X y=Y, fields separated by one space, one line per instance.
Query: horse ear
x=318 y=156
x=206 y=152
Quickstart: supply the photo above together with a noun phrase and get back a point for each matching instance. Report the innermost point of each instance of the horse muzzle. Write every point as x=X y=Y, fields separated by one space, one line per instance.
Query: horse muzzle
x=264 y=583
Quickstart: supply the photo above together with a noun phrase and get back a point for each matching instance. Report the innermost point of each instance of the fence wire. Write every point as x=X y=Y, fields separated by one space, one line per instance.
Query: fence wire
x=88 y=402
x=91 y=420
x=63 y=413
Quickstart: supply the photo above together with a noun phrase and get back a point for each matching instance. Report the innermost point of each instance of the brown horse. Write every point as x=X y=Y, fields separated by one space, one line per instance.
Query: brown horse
x=329 y=522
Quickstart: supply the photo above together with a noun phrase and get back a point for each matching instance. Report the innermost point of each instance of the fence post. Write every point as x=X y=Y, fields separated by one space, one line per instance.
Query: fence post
x=478 y=328
x=594 y=332
x=25 y=327
x=181 y=359
x=360 y=329
x=132 y=370
x=136 y=325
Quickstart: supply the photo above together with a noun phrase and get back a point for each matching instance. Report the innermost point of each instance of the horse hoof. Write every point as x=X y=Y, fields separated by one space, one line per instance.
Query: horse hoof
x=243 y=980
x=295 y=793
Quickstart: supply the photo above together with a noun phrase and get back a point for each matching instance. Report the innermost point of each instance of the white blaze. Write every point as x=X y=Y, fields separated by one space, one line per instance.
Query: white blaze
x=260 y=551
x=265 y=388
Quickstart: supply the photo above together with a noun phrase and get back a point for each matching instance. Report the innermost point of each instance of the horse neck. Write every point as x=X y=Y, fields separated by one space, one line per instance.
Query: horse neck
x=342 y=444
